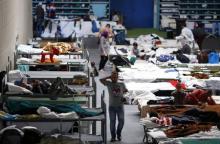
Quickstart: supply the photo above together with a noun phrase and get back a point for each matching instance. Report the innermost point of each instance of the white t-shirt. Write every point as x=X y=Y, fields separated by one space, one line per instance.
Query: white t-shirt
x=186 y=37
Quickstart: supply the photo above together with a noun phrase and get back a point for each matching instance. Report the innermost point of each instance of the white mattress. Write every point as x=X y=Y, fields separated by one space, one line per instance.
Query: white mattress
x=53 y=74
x=149 y=86
x=28 y=49
x=145 y=72
x=64 y=60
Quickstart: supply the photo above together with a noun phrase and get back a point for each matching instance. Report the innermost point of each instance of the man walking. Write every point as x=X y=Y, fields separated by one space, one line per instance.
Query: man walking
x=116 y=90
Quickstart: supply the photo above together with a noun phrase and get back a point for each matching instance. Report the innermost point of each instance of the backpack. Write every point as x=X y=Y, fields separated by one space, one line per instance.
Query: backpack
x=11 y=135
x=213 y=58
x=186 y=49
x=94 y=27
x=119 y=61
x=182 y=58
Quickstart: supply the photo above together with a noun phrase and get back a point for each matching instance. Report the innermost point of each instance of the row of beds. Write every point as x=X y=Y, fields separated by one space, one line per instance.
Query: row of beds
x=140 y=78
x=85 y=102
x=207 y=132
x=161 y=102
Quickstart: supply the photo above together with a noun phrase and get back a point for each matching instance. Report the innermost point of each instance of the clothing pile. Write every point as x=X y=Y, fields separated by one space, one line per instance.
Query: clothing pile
x=79 y=80
x=185 y=130
x=149 y=38
x=60 y=46
x=200 y=75
x=45 y=112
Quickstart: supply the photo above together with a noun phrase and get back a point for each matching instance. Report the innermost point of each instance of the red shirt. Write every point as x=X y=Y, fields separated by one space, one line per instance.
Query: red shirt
x=197 y=96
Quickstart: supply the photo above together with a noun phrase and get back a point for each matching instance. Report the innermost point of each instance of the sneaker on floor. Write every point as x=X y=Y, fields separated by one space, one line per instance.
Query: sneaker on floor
x=113 y=140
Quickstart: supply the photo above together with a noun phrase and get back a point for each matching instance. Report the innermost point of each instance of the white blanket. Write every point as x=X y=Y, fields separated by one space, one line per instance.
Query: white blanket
x=28 y=49
x=142 y=71
x=149 y=86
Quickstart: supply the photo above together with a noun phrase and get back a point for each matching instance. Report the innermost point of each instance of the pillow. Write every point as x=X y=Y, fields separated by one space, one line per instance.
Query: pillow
x=43 y=110
x=17 y=89
x=24 y=48
x=16 y=75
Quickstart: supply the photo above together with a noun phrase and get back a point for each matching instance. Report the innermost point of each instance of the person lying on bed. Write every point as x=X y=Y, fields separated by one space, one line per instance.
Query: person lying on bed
x=199 y=96
x=191 y=116
x=45 y=87
x=171 y=120
x=23 y=84
x=36 y=86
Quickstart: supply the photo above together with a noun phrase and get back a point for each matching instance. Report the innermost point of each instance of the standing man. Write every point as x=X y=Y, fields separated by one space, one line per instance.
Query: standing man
x=58 y=33
x=116 y=104
x=51 y=14
x=40 y=19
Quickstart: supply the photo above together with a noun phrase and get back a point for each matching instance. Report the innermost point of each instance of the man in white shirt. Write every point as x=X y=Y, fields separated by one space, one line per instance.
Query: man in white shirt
x=186 y=37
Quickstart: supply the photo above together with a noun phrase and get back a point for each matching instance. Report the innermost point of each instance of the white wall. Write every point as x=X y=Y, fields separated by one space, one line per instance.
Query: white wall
x=15 y=22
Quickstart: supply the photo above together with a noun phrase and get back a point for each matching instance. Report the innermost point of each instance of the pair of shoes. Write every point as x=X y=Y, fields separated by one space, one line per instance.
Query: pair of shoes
x=119 y=138
x=112 y=140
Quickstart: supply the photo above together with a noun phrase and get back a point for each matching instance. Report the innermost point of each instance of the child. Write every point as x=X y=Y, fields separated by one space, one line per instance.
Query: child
x=135 y=50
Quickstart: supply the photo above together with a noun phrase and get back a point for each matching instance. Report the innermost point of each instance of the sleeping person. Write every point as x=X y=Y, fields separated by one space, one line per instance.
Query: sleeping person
x=45 y=87
x=191 y=116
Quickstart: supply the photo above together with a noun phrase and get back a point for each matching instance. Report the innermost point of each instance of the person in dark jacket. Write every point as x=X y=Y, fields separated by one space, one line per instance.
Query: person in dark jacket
x=58 y=33
x=199 y=34
x=40 y=19
x=51 y=14
x=104 y=49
